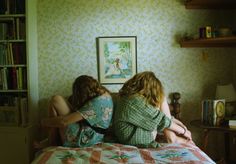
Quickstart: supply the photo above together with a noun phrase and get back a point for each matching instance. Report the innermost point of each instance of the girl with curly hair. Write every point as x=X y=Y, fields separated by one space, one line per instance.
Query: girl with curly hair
x=138 y=115
x=83 y=118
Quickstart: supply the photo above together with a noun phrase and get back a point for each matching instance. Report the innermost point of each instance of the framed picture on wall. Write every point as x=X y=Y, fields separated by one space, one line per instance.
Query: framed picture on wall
x=117 y=58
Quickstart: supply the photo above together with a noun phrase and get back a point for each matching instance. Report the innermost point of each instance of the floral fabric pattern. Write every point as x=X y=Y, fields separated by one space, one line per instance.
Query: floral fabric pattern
x=98 y=113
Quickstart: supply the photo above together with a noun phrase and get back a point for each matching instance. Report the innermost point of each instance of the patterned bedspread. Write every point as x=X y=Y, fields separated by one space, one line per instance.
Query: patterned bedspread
x=110 y=153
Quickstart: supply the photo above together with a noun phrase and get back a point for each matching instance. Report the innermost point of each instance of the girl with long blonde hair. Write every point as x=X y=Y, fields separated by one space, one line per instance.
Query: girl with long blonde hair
x=138 y=114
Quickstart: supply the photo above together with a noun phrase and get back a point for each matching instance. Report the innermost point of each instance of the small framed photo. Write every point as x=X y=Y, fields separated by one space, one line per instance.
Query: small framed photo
x=117 y=58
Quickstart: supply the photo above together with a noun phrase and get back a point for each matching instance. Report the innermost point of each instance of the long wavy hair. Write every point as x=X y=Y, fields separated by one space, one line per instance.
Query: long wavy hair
x=145 y=84
x=84 y=89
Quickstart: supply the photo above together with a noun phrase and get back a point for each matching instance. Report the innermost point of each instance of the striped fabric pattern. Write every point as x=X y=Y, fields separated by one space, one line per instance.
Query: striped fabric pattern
x=135 y=120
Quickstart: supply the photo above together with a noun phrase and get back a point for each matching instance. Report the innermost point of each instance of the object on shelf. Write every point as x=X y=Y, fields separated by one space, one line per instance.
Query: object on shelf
x=213 y=112
x=228 y=93
x=224 y=32
x=205 y=32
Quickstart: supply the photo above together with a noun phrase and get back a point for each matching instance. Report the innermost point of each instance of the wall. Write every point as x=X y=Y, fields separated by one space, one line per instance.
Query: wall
x=67 y=48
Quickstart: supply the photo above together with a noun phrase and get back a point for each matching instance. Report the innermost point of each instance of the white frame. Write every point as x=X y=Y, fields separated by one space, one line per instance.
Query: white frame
x=117 y=58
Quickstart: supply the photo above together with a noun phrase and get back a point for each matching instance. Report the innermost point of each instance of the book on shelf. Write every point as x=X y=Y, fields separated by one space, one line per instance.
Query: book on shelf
x=3 y=74
x=3 y=54
x=1 y=81
x=7 y=7
x=10 y=59
x=24 y=111
x=2 y=7
x=19 y=6
x=20 y=28
x=12 y=28
x=13 y=111
x=207 y=112
x=9 y=113
x=12 y=53
x=8 y=27
x=19 y=75
x=3 y=31
x=13 y=78
x=213 y=112
x=17 y=28
x=22 y=32
x=12 y=6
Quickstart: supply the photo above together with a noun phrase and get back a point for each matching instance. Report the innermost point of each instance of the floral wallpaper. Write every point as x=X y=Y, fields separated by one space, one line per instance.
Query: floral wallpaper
x=67 y=32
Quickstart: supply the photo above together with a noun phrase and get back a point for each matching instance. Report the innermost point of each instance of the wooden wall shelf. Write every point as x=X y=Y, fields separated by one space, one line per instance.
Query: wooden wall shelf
x=210 y=4
x=211 y=42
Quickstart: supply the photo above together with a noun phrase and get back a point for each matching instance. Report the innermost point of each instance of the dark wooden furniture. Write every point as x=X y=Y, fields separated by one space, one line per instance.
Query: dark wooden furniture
x=229 y=41
x=210 y=4
x=175 y=105
x=210 y=42
x=207 y=129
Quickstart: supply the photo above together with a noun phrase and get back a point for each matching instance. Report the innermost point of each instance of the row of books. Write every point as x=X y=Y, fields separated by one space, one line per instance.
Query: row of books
x=7 y=100
x=12 y=28
x=12 y=6
x=15 y=114
x=12 y=53
x=13 y=78
x=213 y=112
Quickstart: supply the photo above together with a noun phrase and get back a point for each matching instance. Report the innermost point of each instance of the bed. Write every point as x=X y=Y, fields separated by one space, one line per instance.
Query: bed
x=112 y=152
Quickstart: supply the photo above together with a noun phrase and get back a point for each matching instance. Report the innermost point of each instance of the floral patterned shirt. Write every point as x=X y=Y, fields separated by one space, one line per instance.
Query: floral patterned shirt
x=98 y=113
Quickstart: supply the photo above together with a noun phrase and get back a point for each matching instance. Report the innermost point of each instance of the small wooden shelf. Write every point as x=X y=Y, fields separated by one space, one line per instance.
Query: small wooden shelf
x=12 y=41
x=11 y=15
x=210 y=4
x=13 y=65
x=211 y=42
x=13 y=90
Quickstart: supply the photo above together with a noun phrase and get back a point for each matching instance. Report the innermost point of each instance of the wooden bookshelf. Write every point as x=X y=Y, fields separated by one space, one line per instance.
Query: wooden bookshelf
x=210 y=4
x=13 y=63
x=210 y=42
x=18 y=49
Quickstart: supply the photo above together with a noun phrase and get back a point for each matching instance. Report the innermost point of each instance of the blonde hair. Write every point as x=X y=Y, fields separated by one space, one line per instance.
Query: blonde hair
x=145 y=84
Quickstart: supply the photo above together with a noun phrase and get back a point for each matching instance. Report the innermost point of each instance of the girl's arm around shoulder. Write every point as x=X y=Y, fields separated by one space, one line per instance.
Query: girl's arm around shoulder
x=62 y=121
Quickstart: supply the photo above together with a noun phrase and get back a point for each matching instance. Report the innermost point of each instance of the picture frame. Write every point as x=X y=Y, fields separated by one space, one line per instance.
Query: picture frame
x=117 y=59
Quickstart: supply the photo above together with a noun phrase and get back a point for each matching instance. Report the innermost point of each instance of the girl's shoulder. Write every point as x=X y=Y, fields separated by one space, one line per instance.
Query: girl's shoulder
x=134 y=97
x=100 y=98
x=105 y=95
x=137 y=100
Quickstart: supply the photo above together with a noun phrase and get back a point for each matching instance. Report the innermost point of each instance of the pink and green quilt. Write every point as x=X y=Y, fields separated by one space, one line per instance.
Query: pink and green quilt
x=112 y=153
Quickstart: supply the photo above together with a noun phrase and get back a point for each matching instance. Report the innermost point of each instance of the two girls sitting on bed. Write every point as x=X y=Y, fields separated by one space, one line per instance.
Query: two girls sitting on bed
x=141 y=112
